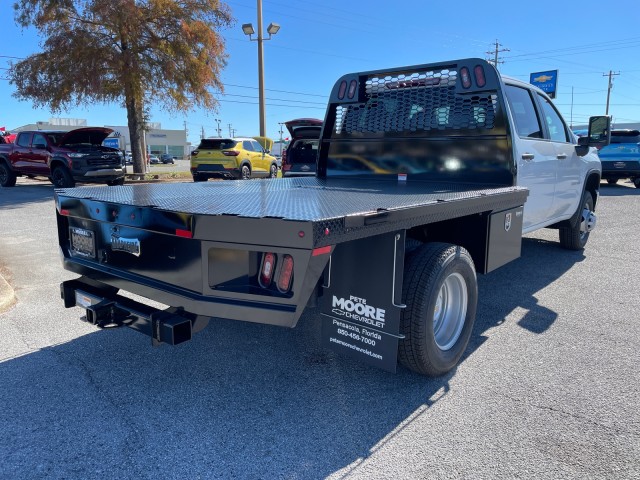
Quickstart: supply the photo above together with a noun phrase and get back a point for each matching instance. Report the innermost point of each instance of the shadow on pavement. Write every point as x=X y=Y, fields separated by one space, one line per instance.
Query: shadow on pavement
x=240 y=400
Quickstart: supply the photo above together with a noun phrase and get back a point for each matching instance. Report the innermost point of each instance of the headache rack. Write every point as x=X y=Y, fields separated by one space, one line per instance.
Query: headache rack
x=438 y=121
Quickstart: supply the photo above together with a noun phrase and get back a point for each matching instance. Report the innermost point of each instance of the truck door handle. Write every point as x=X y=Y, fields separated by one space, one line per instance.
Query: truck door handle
x=527 y=157
x=562 y=156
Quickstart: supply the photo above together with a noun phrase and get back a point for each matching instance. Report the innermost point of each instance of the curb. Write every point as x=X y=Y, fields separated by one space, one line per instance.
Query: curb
x=7 y=295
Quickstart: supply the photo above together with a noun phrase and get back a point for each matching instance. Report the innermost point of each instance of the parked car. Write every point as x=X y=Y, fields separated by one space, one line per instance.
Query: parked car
x=299 y=158
x=128 y=157
x=166 y=158
x=235 y=158
x=621 y=158
x=153 y=159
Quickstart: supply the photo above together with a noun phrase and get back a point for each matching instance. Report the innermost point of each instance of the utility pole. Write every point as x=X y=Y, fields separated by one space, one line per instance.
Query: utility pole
x=610 y=75
x=219 y=130
x=202 y=133
x=280 y=123
x=230 y=131
x=495 y=53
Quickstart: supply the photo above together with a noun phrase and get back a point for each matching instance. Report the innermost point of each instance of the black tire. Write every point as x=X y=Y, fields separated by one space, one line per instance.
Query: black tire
x=118 y=181
x=7 y=176
x=245 y=172
x=612 y=181
x=199 y=178
x=575 y=237
x=273 y=171
x=441 y=295
x=636 y=182
x=61 y=178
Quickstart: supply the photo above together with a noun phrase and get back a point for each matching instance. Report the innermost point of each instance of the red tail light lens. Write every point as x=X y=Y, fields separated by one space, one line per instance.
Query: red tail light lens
x=481 y=81
x=286 y=274
x=266 y=269
x=465 y=77
x=231 y=153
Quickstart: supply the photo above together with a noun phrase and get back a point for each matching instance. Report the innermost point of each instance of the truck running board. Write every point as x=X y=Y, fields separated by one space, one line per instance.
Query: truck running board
x=106 y=309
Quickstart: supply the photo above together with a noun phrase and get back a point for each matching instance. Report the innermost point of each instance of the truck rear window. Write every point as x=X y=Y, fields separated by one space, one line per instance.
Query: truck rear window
x=216 y=144
x=625 y=136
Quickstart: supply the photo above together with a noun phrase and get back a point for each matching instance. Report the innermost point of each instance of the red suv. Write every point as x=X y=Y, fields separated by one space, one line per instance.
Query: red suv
x=299 y=158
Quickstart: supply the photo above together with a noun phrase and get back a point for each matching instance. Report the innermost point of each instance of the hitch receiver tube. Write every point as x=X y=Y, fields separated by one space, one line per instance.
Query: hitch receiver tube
x=104 y=308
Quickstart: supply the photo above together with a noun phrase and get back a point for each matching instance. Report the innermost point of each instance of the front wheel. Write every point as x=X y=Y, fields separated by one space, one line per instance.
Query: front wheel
x=575 y=237
x=61 y=178
x=7 y=176
x=441 y=295
x=273 y=171
x=199 y=178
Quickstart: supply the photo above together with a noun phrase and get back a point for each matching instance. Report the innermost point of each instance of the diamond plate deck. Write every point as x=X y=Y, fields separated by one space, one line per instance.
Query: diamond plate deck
x=298 y=199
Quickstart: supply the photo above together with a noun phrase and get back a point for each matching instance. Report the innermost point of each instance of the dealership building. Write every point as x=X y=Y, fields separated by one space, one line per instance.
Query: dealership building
x=157 y=140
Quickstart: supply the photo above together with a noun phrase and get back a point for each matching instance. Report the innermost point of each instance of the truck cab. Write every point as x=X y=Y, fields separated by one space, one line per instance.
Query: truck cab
x=549 y=161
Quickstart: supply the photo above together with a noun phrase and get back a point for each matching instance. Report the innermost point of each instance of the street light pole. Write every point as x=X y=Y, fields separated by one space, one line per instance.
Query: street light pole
x=272 y=29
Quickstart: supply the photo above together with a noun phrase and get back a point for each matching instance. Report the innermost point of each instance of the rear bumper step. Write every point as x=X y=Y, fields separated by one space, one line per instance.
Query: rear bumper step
x=105 y=309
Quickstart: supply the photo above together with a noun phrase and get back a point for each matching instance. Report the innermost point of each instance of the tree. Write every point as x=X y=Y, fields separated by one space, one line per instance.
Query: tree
x=133 y=52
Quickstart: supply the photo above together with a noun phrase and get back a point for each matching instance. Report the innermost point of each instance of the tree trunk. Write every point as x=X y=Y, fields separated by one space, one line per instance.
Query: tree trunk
x=135 y=129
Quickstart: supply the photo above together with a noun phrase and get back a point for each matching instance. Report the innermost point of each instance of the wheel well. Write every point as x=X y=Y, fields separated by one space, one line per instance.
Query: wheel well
x=56 y=162
x=592 y=185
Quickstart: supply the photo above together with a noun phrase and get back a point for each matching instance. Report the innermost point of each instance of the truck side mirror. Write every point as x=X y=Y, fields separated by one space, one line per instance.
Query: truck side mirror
x=599 y=131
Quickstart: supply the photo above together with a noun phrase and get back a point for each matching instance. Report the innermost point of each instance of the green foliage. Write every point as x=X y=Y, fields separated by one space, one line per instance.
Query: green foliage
x=164 y=52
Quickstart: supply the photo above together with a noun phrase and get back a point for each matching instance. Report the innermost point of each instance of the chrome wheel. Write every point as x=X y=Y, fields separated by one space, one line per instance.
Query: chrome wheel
x=450 y=311
x=245 y=172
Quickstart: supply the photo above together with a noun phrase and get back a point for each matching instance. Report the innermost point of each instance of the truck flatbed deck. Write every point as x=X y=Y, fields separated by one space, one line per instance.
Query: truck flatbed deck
x=345 y=207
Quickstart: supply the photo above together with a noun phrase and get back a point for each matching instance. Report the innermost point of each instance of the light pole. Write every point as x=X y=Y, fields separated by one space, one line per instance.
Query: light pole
x=272 y=29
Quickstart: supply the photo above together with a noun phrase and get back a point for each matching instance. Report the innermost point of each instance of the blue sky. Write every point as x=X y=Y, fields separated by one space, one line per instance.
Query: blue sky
x=321 y=40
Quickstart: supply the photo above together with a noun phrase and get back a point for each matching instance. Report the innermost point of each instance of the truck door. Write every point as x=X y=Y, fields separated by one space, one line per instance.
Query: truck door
x=21 y=156
x=569 y=165
x=535 y=157
x=39 y=154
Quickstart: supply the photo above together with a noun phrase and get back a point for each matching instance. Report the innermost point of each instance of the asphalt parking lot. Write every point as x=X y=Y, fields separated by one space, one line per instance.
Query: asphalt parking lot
x=549 y=387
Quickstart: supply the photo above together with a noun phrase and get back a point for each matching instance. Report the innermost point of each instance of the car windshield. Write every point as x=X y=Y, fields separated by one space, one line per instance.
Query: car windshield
x=216 y=144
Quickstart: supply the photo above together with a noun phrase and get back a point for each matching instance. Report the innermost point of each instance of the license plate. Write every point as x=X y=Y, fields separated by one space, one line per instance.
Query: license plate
x=83 y=242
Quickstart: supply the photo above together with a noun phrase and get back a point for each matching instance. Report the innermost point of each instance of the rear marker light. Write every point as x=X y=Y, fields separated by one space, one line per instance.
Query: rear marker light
x=184 y=233
x=321 y=251
x=342 y=90
x=286 y=274
x=352 y=89
x=465 y=76
x=64 y=212
x=266 y=269
x=301 y=234
x=481 y=81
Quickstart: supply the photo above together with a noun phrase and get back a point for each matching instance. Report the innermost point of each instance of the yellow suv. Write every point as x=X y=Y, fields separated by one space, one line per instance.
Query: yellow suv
x=238 y=158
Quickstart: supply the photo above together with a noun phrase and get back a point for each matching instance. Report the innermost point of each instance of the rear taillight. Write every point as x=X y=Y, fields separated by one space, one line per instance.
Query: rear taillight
x=478 y=72
x=267 y=268
x=286 y=274
x=231 y=153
